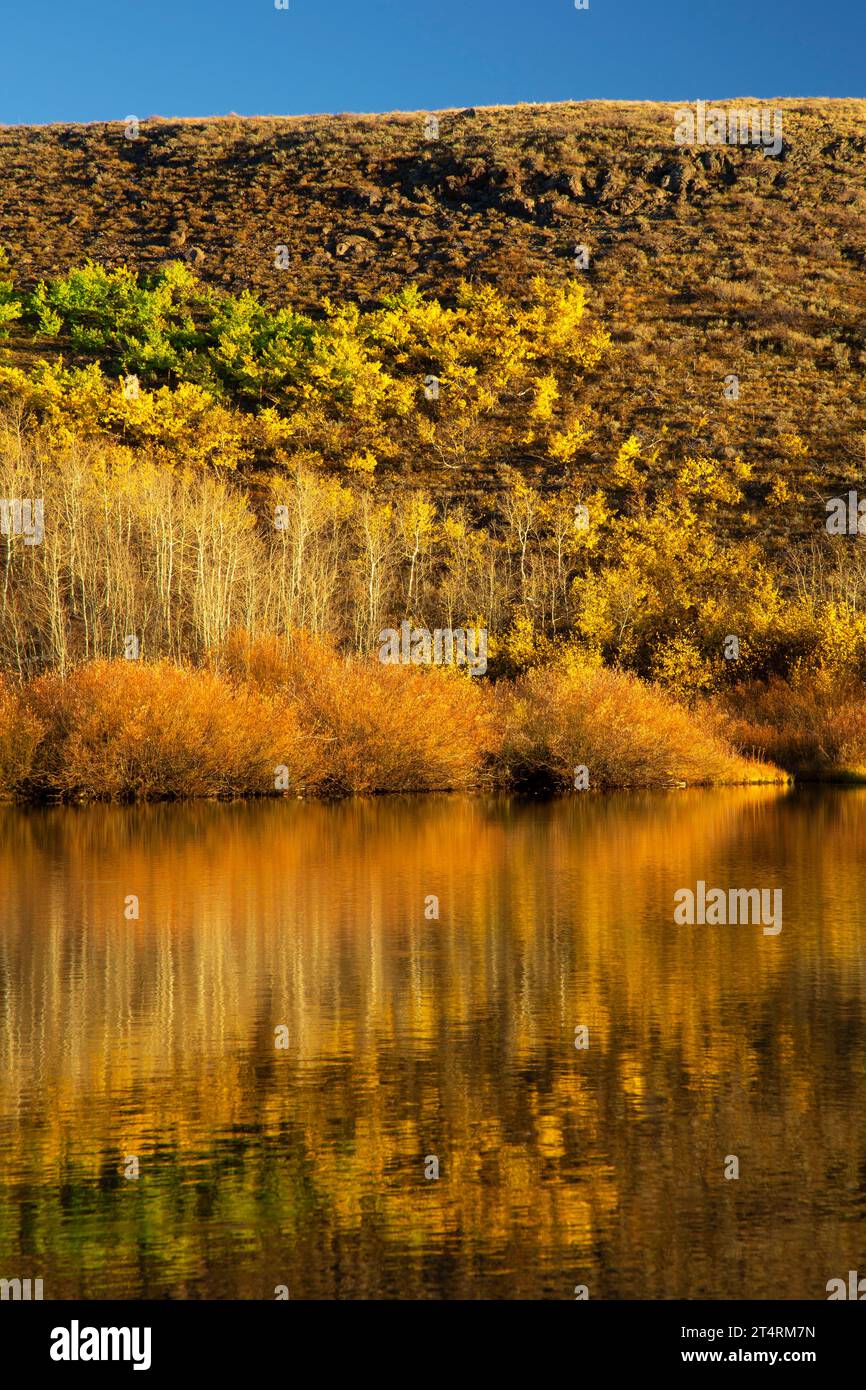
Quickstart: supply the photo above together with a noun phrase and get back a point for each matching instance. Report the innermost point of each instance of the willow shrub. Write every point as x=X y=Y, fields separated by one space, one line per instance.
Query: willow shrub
x=124 y=729
x=625 y=732
x=373 y=727
x=20 y=734
x=266 y=716
x=814 y=725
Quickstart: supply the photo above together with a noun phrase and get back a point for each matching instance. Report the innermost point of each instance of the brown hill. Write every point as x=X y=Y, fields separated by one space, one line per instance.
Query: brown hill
x=704 y=261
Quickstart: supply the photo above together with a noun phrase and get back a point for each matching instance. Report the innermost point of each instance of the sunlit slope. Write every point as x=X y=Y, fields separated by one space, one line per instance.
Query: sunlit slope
x=704 y=261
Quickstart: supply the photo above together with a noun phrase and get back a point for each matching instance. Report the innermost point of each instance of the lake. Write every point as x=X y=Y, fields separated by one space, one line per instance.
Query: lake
x=253 y=1083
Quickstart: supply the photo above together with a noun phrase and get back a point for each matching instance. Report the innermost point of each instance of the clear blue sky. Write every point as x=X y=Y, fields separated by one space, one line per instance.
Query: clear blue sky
x=80 y=60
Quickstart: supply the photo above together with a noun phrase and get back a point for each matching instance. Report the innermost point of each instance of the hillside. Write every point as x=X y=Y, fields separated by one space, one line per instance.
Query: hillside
x=221 y=348
x=703 y=261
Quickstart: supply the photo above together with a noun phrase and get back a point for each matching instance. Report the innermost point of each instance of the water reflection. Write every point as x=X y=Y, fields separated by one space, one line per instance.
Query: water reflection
x=411 y=1037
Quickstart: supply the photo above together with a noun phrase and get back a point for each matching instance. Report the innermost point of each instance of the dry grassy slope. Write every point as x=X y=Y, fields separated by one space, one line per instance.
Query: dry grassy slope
x=704 y=261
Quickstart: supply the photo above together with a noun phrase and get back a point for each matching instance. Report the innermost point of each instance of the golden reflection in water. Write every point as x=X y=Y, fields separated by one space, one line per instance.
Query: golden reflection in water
x=411 y=1037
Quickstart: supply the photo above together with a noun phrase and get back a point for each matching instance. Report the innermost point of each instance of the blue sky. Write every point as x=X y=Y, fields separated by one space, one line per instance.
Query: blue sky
x=106 y=59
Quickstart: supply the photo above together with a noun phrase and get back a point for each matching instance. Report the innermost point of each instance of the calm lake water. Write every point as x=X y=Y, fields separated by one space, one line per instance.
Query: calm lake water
x=412 y=1038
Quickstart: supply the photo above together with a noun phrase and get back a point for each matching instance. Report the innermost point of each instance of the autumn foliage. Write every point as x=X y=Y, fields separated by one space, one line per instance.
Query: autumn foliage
x=624 y=732
x=209 y=464
x=266 y=717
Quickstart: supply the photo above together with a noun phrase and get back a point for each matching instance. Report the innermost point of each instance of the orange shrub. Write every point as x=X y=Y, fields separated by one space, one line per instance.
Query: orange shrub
x=260 y=661
x=814 y=725
x=20 y=732
x=625 y=732
x=125 y=729
x=342 y=725
x=372 y=727
x=389 y=728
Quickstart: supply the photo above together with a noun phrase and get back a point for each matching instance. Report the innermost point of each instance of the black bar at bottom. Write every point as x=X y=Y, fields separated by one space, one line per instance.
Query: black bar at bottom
x=82 y=1339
